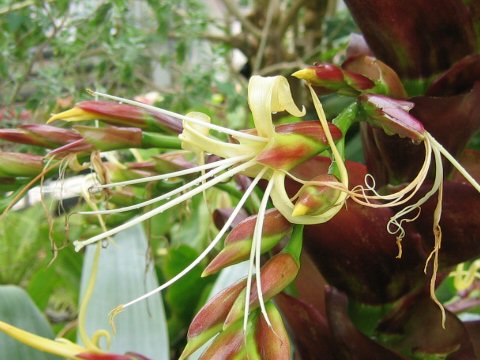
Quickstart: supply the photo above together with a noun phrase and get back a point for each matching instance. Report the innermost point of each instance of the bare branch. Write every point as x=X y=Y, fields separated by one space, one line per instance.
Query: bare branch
x=233 y=9
x=273 y=4
x=290 y=16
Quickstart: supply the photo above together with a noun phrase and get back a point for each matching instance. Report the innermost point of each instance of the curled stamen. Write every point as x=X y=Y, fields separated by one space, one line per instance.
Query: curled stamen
x=222 y=129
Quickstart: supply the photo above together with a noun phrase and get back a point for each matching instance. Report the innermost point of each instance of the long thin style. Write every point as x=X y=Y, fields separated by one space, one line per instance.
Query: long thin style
x=209 y=247
x=80 y=244
x=163 y=196
x=173 y=174
x=222 y=129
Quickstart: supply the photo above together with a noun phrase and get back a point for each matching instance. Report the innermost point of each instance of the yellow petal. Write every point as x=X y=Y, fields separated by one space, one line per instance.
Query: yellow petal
x=74 y=114
x=267 y=95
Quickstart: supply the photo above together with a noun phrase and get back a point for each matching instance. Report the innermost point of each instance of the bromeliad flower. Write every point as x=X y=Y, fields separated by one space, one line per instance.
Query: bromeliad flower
x=266 y=152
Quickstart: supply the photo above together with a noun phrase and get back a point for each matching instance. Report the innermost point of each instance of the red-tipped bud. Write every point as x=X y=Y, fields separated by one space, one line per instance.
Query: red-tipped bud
x=276 y=275
x=316 y=199
x=239 y=242
x=120 y=115
x=295 y=143
x=209 y=320
x=39 y=135
x=392 y=116
x=103 y=139
x=328 y=78
x=272 y=342
x=18 y=164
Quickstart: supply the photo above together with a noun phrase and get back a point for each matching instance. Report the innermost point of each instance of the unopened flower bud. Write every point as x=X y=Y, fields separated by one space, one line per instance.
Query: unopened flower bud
x=295 y=143
x=39 y=135
x=328 y=78
x=272 y=342
x=316 y=199
x=120 y=115
x=209 y=320
x=276 y=275
x=239 y=242
x=19 y=164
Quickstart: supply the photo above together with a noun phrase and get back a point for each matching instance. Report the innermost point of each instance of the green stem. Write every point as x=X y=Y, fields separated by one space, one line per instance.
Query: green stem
x=151 y=140
x=294 y=245
x=343 y=122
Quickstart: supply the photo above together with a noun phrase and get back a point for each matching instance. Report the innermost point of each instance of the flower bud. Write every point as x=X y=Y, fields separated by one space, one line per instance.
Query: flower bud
x=276 y=275
x=120 y=115
x=326 y=78
x=39 y=135
x=210 y=318
x=316 y=199
x=272 y=342
x=103 y=139
x=239 y=242
x=294 y=143
x=19 y=164
x=229 y=344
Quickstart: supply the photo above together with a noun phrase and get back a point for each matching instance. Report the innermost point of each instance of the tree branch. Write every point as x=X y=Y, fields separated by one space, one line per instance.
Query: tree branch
x=290 y=15
x=233 y=9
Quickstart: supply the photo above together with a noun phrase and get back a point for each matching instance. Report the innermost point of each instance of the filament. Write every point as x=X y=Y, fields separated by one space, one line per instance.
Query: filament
x=166 y=195
x=154 y=109
x=80 y=244
x=255 y=252
x=214 y=242
x=173 y=174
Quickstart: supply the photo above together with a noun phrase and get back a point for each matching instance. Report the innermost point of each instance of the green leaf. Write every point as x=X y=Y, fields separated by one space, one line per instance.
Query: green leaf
x=21 y=244
x=183 y=296
x=193 y=230
x=16 y=308
x=124 y=274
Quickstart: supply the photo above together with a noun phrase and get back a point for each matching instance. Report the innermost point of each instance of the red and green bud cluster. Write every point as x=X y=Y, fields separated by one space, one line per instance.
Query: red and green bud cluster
x=224 y=312
x=120 y=115
x=357 y=75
